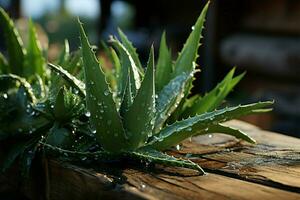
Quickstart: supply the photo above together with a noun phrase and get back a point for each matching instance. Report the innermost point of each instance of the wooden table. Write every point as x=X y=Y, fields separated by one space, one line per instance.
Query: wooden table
x=236 y=170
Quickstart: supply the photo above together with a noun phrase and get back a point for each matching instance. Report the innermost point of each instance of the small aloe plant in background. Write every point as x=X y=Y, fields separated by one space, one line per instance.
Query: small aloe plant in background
x=105 y=113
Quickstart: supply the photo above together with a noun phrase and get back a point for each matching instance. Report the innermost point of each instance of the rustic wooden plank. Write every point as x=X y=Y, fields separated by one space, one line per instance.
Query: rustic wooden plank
x=71 y=182
x=274 y=161
x=269 y=170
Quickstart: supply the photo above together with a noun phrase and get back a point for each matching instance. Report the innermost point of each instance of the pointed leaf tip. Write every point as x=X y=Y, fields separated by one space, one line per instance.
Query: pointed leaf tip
x=103 y=112
x=138 y=120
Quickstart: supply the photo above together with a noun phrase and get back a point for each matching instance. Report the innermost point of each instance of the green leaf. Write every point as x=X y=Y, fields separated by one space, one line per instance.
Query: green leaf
x=34 y=59
x=186 y=61
x=72 y=80
x=109 y=74
x=17 y=116
x=64 y=54
x=14 y=44
x=73 y=64
x=214 y=98
x=152 y=156
x=132 y=51
x=59 y=137
x=127 y=99
x=40 y=88
x=219 y=128
x=188 y=55
x=168 y=99
x=127 y=63
x=104 y=116
x=3 y=64
x=138 y=120
x=67 y=106
x=116 y=63
x=177 y=132
x=23 y=82
x=59 y=109
x=112 y=70
x=81 y=156
x=164 y=65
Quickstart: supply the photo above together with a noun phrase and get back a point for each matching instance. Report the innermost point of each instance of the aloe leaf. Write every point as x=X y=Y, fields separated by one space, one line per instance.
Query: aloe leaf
x=138 y=120
x=164 y=65
x=14 y=44
x=132 y=51
x=34 y=61
x=3 y=64
x=64 y=54
x=186 y=61
x=127 y=99
x=219 y=128
x=79 y=155
x=177 y=132
x=188 y=55
x=215 y=97
x=72 y=63
x=116 y=63
x=59 y=109
x=127 y=62
x=23 y=82
x=68 y=105
x=59 y=137
x=112 y=73
x=155 y=157
x=168 y=99
x=104 y=116
x=72 y=80
x=41 y=87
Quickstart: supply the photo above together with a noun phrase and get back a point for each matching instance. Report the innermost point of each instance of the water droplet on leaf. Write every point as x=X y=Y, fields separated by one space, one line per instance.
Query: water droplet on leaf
x=88 y=114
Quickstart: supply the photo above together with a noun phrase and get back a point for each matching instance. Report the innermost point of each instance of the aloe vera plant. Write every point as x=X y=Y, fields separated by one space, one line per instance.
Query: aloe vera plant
x=100 y=113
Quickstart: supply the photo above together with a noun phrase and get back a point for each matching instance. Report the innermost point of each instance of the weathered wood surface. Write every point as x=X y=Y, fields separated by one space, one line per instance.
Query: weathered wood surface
x=268 y=170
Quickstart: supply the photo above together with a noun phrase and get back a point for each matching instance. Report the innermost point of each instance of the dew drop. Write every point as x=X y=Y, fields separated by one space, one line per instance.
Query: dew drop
x=106 y=92
x=143 y=186
x=210 y=135
x=52 y=106
x=84 y=158
x=88 y=114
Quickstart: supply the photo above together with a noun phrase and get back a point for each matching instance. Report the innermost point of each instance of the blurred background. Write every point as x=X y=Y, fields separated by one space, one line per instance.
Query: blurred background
x=261 y=37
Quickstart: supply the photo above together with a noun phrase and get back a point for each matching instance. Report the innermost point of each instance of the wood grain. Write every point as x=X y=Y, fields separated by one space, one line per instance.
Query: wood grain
x=236 y=170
